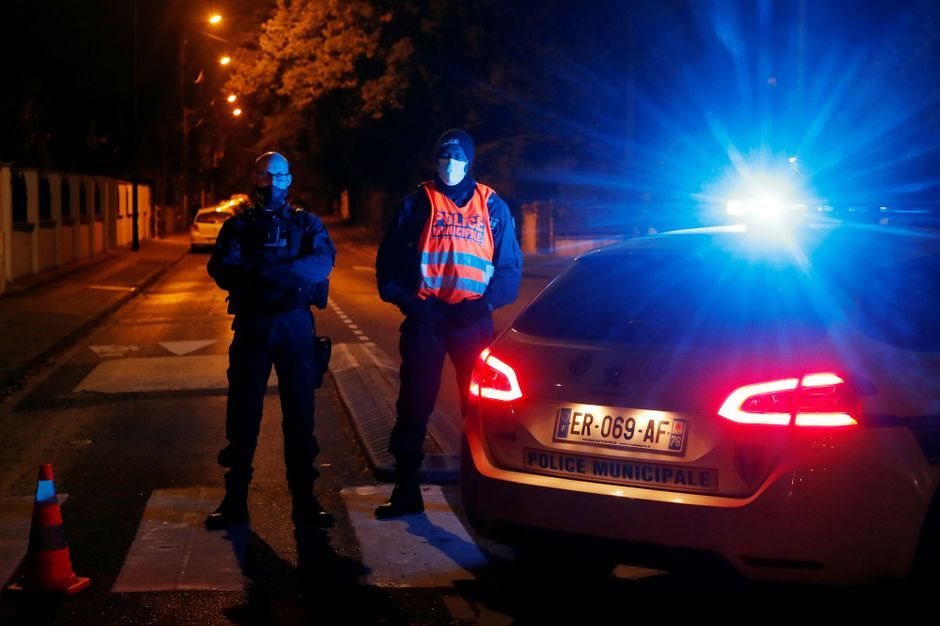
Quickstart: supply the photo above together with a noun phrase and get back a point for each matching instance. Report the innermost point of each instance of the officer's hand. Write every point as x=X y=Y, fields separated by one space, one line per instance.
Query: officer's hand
x=427 y=311
x=468 y=312
x=274 y=275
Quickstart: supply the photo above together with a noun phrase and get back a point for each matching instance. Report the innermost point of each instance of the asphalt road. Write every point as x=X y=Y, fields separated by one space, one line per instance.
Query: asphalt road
x=132 y=418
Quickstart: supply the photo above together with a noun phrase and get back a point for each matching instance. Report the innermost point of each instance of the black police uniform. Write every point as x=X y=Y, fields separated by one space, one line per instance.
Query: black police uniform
x=433 y=329
x=274 y=264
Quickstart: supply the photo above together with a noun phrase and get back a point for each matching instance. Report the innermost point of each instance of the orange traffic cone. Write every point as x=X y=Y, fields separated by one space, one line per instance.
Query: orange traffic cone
x=48 y=566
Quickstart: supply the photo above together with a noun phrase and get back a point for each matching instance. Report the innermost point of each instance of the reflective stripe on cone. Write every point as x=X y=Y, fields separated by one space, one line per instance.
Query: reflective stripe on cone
x=48 y=566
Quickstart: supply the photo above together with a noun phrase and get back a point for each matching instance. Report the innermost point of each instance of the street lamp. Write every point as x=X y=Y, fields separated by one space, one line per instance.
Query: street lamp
x=213 y=20
x=237 y=112
x=232 y=98
x=225 y=60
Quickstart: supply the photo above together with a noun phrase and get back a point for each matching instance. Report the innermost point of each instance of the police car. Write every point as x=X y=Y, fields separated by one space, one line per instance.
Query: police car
x=766 y=396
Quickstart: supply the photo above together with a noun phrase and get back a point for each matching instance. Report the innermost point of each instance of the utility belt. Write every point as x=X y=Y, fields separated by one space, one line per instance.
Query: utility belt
x=275 y=301
x=266 y=303
x=322 y=345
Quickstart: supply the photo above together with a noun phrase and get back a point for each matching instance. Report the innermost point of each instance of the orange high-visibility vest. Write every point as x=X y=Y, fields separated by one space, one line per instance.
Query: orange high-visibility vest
x=456 y=247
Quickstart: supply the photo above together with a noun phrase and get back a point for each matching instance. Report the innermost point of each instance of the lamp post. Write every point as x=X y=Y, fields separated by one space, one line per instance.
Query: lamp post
x=135 y=212
x=213 y=20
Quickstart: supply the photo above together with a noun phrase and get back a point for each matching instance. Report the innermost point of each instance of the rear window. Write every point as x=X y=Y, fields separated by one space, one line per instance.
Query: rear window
x=900 y=304
x=215 y=217
x=658 y=298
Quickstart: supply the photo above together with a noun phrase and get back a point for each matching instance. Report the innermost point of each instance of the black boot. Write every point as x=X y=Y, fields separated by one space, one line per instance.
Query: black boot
x=406 y=500
x=233 y=510
x=307 y=511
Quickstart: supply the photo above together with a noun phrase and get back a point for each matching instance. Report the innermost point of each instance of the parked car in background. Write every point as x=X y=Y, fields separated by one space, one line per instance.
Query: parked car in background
x=769 y=396
x=208 y=221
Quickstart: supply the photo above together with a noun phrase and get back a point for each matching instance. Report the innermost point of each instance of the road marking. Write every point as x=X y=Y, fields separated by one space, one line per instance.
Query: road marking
x=348 y=321
x=182 y=348
x=164 y=373
x=16 y=515
x=428 y=550
x=174 y=552
x=113 y=350
x=113 y=287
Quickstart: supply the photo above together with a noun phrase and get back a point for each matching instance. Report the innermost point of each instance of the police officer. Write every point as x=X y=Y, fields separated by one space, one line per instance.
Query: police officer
x=273 y=260
x=448 y=259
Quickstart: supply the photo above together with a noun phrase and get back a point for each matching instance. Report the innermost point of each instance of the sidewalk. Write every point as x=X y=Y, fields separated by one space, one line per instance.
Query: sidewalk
x=42 y=315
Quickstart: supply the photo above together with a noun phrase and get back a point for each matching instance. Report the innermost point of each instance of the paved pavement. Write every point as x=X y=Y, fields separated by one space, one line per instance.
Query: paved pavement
x=42 y=315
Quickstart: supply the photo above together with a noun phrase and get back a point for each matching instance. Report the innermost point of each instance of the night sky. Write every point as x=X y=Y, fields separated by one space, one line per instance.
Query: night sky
x=662 y=98
x=68 y=96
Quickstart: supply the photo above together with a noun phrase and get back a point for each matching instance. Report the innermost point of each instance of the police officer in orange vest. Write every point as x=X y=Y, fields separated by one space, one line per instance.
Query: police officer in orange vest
x=448 y=259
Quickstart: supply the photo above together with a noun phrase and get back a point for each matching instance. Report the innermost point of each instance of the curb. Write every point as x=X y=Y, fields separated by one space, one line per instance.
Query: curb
x=366 y=381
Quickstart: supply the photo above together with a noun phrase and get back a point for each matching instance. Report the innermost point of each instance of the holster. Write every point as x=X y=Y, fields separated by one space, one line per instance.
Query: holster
x=322 y=351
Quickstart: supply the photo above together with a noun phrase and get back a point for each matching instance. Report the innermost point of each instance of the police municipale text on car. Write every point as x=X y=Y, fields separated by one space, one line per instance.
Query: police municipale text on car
x=767 y=397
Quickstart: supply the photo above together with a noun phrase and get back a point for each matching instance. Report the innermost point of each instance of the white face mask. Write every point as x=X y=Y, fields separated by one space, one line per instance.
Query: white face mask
x=451 y=171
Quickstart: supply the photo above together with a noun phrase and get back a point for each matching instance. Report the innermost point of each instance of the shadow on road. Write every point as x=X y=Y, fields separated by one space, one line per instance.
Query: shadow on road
x=324 y=587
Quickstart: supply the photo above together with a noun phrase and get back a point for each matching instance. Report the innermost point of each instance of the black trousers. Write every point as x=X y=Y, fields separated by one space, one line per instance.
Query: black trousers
x=423 y=348
x=286 y=341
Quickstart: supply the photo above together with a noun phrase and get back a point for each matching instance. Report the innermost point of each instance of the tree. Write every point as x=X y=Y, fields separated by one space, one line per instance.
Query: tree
x=311 y=51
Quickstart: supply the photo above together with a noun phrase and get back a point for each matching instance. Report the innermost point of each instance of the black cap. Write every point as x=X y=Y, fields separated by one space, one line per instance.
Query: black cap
x=455 y=136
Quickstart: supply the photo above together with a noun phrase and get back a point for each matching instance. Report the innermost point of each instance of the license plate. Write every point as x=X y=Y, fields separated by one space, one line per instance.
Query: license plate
x=652 y=431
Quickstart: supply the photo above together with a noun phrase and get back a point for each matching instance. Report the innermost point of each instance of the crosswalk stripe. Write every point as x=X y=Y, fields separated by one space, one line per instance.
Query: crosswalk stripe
x=173 y=552
x=168 y=373
x=113 y=350
x=15 y=517
x=429 y=550
x=181 y=348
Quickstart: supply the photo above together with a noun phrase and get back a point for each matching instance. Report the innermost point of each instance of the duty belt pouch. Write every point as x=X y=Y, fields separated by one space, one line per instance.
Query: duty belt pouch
x=323 y=349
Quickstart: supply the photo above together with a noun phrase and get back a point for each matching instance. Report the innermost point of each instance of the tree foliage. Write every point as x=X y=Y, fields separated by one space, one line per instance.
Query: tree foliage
x=310 y=50
x=594 y=104
x=336 y=79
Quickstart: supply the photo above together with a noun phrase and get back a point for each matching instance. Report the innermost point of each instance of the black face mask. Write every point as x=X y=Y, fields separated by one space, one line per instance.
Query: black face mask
x=270 y=197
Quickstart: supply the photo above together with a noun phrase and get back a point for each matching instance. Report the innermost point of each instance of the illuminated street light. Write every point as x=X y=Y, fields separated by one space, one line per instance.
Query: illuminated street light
x=232 y=98
x=213 y=21
x=237 y=112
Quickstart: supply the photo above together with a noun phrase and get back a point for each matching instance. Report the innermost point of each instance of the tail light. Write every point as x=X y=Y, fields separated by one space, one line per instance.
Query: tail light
x=494 y=379
x=193 y=227
x=820 y=400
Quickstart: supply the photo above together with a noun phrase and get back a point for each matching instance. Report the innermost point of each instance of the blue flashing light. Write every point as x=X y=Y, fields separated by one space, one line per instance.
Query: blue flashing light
x=764 y=195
